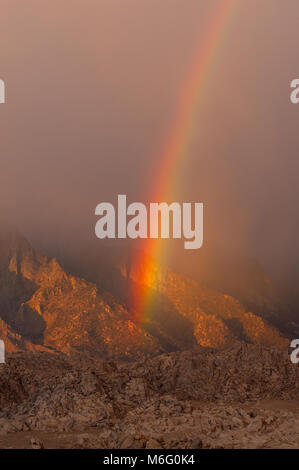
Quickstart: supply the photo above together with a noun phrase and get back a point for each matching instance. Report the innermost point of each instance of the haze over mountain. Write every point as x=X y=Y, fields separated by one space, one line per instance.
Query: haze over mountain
x=91 y=100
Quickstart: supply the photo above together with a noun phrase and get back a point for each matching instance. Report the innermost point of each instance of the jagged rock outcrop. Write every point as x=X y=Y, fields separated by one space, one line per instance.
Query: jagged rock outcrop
x=41 y=306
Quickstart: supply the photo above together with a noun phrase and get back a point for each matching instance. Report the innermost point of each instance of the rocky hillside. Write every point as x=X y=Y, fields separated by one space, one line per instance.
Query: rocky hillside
x=243 y=396
x=217 y=319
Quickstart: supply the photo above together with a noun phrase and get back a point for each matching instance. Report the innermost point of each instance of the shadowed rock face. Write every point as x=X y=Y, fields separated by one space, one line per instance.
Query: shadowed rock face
x=43 y=307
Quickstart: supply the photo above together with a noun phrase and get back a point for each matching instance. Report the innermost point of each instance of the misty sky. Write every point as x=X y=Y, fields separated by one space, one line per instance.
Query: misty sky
x=92 y=87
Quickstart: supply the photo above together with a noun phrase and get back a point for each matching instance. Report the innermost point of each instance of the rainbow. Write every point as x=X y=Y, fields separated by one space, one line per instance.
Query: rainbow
x=174 y=150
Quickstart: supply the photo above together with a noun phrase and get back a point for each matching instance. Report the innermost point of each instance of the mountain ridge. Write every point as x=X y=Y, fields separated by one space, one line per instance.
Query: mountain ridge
x=44 y=307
